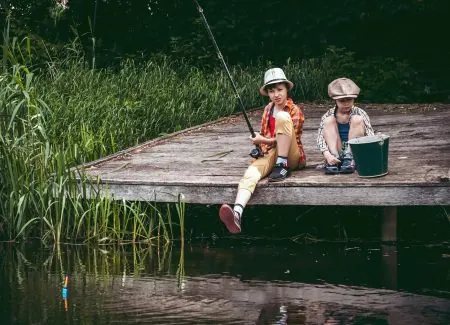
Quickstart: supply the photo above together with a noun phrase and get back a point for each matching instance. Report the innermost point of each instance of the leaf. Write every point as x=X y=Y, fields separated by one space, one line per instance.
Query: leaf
x=25 y=226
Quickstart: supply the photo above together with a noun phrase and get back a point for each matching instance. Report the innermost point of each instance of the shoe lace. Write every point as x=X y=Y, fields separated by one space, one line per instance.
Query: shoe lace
x=281 y=165
x=348 y=156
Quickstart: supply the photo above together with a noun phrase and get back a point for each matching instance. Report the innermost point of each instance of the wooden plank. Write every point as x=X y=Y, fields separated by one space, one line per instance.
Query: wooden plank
x=218 y=179
x=402 y=172
x=265 y=195
x=189 y=162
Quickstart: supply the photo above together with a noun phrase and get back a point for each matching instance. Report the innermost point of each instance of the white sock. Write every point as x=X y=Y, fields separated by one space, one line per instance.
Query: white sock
x=282 y=160
x=238 y=209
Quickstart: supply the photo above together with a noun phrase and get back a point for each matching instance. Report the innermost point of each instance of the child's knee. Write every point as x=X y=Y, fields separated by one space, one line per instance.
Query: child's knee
x=356 y=120
x=283 y=116
x=283 y=123
x=330 y=120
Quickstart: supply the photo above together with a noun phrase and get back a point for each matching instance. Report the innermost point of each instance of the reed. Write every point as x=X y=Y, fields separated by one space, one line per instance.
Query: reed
x=60 y=116
x=39 y=193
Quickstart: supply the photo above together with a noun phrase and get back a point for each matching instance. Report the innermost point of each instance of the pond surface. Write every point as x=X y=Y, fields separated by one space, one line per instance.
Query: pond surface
x=230 y=282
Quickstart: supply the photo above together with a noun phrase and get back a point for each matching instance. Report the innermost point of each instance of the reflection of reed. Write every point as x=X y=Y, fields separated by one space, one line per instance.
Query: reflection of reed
x=180 y=270
x=113 y=283
x=127 y=260
x=92 y=271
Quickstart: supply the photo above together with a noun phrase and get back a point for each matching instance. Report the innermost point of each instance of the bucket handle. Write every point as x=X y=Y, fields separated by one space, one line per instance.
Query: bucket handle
x=382 y=138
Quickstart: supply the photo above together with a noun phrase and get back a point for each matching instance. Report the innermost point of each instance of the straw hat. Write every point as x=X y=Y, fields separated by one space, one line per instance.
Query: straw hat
x=274 y=76
x=343 y=88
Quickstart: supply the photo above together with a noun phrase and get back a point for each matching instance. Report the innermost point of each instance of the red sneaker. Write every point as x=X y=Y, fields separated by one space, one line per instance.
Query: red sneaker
x=230 y=218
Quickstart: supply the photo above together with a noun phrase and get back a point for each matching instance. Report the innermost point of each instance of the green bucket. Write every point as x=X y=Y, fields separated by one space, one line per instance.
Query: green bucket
x=371 y=155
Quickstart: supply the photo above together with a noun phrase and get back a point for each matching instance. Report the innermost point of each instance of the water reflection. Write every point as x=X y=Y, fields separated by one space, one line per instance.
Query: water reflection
x=301 y=284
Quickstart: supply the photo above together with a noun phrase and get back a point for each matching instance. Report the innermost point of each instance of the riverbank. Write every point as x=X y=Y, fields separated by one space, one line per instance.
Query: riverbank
x=53 y=122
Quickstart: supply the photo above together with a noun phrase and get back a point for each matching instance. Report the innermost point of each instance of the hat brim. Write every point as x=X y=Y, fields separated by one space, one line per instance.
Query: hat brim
x=263 y=90
x=344 y=96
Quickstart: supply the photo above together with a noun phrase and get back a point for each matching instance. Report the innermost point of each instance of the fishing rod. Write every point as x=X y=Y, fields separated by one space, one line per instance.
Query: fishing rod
x=256 y=152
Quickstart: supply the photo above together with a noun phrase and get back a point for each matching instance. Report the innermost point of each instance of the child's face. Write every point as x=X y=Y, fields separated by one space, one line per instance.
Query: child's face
x=278 y=93
x=345 y=104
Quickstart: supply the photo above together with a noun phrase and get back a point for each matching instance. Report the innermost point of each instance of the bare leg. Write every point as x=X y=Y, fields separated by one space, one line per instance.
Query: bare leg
x=284 y=135
x=356 y=128
x=331 y=135
x=283 y=129
x=283 y=144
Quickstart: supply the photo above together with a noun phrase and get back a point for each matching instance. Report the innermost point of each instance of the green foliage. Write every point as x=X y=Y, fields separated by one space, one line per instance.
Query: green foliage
x=380 y=79
x=56 y=116
x=407 y=60
x=39 y=195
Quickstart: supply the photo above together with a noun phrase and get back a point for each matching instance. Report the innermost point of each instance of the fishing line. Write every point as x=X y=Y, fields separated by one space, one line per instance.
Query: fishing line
x=257 y=152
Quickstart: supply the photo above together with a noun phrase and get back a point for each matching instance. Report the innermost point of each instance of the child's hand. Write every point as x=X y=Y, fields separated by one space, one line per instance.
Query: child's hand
x=258 y=139
x=331 y=160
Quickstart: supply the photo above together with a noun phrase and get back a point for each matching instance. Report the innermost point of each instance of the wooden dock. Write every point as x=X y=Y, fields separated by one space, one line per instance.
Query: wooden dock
x=204 y=164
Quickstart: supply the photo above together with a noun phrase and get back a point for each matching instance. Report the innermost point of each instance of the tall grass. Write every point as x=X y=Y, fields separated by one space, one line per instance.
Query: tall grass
x=107 y=109
x=66 y=113
x=39 y=195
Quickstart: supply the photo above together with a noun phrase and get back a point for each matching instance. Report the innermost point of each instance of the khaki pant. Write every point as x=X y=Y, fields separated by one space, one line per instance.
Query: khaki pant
x=262 y=166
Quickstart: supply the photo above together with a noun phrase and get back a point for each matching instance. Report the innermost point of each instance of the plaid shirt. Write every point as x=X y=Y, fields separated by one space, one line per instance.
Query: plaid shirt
x=297 y=118
x=322 y=145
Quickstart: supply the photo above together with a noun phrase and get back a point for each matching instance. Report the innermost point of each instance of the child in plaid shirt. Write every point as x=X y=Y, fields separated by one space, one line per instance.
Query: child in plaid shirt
x=339 y=124
x=280 y=141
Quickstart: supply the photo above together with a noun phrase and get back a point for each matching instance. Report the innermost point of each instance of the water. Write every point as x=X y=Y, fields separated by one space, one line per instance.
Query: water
x=230 y=282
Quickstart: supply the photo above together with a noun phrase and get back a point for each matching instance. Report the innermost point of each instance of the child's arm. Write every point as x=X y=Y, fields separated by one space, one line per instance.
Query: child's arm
x=321 y=143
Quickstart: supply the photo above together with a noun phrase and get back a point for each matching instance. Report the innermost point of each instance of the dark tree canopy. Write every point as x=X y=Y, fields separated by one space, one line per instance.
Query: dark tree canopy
x=413 y=31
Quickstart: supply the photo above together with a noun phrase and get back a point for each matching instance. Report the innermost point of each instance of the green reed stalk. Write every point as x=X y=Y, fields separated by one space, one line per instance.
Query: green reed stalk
x=68 y=114
x=6 y=40
x=181 y=208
